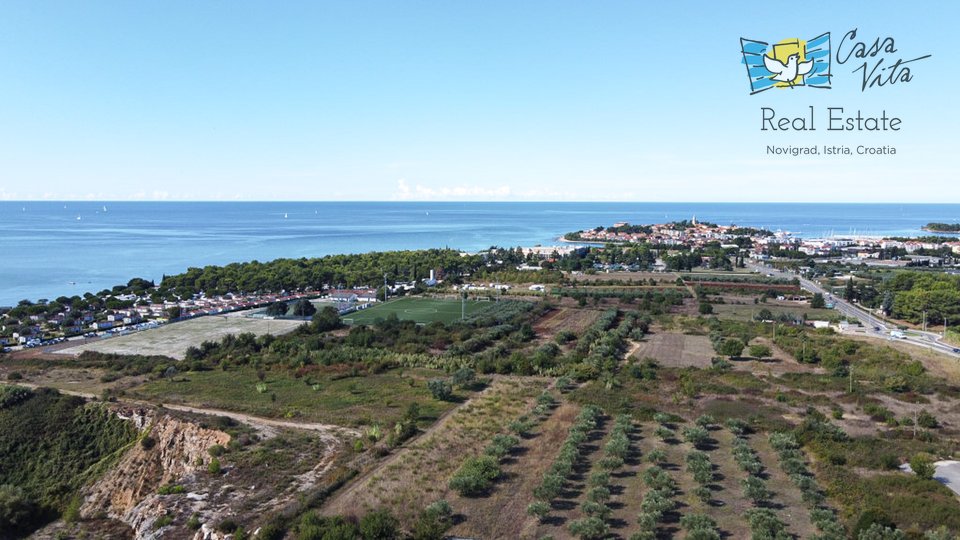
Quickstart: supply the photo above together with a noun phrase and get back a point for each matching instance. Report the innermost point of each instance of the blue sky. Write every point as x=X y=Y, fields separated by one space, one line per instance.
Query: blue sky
x=453 y=101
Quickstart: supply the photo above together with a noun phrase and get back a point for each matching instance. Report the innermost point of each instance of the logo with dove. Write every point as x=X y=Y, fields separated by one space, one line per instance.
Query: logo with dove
x=789 y=63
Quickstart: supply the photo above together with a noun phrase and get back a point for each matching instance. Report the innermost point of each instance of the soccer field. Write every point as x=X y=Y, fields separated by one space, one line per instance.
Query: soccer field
x=421 y=310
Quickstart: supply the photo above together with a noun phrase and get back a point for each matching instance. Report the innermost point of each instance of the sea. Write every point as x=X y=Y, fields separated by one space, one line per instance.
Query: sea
x=50 y=249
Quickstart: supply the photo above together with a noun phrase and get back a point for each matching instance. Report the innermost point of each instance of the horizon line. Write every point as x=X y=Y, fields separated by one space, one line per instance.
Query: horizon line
x=457 y=201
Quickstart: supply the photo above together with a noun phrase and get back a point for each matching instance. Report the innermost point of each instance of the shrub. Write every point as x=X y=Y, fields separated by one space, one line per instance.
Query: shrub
x=700 y=527
x=539 y=509
x=148 y=442
x=755 y=489
x=216 y=450
x=193 y=523
x=658 y=479
x=599 y=478
x=705 y=421
x=703 y=493
x=765 y=525
x=590 y=528
x=464 y=377
x=922 y=466
x=214 y=466
x=170 y=489
x=433 y=522
x=877 y=531
x=162 y=522
x=595 y=509
x=657 y=456
x=657 y=501
x=501 y=445
x=663 y=433
x=379 y=525
x=927 y=420
x=697 y=436
x=475 y=476
x=598 y=494
x=610 y=463
x=440 y=389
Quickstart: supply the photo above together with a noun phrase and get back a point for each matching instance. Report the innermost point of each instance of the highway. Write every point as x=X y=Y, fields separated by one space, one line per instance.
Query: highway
x=873 y=325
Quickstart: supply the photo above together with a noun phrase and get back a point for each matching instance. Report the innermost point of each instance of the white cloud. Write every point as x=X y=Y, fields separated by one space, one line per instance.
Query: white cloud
x=421 y=192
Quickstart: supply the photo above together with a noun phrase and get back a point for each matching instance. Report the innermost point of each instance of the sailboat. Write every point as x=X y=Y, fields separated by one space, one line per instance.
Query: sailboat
x=78 y=218
x=285 y=216
x=104 y=208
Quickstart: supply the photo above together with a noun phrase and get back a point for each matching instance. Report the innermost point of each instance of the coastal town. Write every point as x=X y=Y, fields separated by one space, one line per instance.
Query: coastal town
x=136 y=306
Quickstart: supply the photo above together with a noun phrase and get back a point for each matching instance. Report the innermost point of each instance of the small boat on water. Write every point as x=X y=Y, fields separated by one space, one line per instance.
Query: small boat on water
x=78 y=218
x=285 y=216
x=104 y=209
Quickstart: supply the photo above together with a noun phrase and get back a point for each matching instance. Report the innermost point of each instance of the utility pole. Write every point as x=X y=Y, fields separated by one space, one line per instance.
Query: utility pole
x=851 y=378
x=463 y=306
x=924 y=320
x=385 y=288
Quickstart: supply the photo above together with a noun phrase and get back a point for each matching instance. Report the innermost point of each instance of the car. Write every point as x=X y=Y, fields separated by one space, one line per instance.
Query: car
x=956 y=350
x=876 y=328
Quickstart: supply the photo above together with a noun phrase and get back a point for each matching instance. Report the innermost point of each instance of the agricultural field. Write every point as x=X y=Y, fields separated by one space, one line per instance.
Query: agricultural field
x=672 y=349
x=563 y=319
x=418 y=473
x=605 y=414
x=174 y=339
x=660 y=279
x=417 y=309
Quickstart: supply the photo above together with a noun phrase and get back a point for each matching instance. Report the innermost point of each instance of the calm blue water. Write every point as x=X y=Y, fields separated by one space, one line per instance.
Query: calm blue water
x=44 y=247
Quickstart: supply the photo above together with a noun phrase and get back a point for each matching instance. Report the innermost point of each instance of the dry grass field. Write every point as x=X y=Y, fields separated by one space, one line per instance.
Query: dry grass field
x=417 y=474
x=173 y=340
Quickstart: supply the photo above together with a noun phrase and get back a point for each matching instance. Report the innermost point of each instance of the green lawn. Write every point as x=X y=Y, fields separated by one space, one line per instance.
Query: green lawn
x=421 y=310
x=380 y=398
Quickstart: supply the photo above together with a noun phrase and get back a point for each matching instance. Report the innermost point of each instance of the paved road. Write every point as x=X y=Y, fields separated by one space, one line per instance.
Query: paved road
x=875 y=326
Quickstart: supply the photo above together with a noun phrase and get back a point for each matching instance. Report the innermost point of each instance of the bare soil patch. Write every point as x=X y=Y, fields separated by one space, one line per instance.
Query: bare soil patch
x=173 y=340
x=565 y=318
x=671 y=349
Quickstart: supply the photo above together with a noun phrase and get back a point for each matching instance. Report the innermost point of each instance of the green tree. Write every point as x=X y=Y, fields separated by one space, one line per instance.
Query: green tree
x=277 y=309
x=877 y=531
x=759 y=351
x=304 y=308
x=818 y=302
x=755 y=490
x=705 y=308
x=731 y=347
x=326 y=319
x=16 y=510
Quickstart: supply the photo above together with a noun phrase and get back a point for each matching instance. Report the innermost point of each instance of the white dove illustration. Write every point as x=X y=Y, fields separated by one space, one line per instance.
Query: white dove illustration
x=787 y=72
